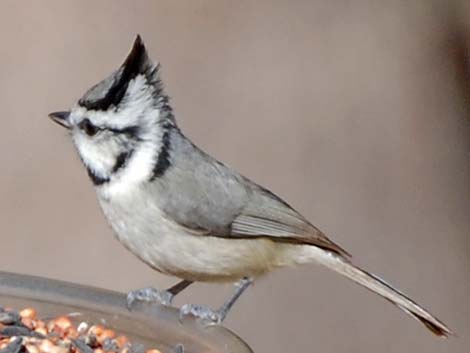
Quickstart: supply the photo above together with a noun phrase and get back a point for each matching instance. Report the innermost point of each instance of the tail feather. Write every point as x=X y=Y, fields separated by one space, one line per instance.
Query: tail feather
x=379 y=286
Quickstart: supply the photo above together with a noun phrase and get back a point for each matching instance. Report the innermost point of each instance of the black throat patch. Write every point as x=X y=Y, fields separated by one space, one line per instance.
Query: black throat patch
x=97 y=180
x=121 y=161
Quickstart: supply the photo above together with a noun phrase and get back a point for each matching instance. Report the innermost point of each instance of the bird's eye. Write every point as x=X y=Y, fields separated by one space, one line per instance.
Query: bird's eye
x=87 y=127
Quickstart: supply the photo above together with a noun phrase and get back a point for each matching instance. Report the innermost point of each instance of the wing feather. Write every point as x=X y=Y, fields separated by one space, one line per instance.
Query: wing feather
x=266 y=215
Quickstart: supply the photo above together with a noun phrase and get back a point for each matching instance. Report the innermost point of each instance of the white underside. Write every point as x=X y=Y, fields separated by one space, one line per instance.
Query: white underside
x=174 y=250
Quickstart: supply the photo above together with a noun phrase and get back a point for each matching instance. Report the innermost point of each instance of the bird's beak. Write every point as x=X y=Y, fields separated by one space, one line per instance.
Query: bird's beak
x=61 y=118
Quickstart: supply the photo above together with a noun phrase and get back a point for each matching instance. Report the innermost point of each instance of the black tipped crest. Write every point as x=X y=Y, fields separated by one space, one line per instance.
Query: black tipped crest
x=110 y=91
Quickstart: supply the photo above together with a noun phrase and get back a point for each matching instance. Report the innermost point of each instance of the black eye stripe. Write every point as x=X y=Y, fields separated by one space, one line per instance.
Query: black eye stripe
x=87 y=126
x=131 y=131
x=90 y=129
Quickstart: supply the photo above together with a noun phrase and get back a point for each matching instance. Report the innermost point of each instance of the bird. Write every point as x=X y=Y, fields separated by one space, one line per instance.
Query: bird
x=183 y=212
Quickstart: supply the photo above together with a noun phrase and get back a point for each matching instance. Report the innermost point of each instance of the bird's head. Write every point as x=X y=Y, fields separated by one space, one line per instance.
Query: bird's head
x=119 y=124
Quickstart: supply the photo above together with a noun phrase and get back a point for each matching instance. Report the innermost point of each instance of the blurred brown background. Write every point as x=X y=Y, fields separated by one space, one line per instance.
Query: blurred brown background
x=354 y=112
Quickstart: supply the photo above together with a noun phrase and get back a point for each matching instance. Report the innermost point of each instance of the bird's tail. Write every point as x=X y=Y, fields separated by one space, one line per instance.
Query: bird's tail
x=377 y=285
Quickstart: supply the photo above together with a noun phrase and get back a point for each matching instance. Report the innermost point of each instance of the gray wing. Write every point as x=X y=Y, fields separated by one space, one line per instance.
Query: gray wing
x=267 y=215
x=209 y=198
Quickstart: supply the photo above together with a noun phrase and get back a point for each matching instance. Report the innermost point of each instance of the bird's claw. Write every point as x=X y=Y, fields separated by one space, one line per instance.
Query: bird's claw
x=149 y=295
x=201 y=312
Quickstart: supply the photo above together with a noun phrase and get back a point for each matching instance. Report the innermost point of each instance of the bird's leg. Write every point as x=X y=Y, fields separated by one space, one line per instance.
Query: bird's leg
x=164 y=297
x=178 y=287
x=216 y=316
x=241 y=286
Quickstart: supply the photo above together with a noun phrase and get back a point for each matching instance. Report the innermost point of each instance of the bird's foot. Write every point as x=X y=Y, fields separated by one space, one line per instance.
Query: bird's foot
x=149 y=295
x=203 y=313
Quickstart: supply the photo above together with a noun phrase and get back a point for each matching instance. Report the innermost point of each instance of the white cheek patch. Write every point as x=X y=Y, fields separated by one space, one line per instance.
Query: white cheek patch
x=95 y=156
x=138 y=169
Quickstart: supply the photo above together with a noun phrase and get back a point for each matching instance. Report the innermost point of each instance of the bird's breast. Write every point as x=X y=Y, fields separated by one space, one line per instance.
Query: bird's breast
x=148 y=233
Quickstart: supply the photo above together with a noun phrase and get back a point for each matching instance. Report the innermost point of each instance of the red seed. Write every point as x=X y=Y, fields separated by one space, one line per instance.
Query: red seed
x=63 y=322
x=28 y=313
x=96 y=330
x=106 y=333
x=71 y=332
